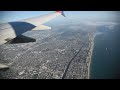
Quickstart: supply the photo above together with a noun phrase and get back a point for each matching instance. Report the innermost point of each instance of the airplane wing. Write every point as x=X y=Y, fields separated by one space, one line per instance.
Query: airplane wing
x=11 y=30
x=40 y=20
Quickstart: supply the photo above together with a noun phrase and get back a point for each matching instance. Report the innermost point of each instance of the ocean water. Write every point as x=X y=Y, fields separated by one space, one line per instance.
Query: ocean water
x=105 y=62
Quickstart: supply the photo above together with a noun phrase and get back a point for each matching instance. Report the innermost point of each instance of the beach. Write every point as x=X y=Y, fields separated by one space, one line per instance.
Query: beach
x=91 y=47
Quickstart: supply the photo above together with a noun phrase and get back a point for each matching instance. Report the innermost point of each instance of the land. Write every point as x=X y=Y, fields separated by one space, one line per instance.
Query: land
x=62 y=53
x=89 y=57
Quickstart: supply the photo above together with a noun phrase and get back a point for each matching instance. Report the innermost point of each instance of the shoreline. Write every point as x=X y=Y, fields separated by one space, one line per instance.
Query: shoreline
x=91 y=40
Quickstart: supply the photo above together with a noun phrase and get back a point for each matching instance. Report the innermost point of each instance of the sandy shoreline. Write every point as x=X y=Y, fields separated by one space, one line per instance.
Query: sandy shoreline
x=91 y=40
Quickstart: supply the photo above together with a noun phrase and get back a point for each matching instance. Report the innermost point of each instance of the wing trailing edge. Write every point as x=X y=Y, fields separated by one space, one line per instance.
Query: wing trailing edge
x=2 y=66
x=42 y=27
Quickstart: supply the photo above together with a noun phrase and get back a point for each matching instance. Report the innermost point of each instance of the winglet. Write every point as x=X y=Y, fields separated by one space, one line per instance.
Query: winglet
x=62 y=13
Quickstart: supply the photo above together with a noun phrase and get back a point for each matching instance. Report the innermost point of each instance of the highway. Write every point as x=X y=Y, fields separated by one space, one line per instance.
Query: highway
x=64 y=75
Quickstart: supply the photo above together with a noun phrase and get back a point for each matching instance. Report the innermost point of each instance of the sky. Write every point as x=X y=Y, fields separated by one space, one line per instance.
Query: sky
x=71 y=16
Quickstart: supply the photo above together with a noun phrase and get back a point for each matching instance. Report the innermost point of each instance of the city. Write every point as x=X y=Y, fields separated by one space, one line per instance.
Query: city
x=57 y=54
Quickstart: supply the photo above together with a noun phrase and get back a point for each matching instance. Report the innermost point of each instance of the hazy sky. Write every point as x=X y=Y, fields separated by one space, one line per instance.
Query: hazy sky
x=74 y=16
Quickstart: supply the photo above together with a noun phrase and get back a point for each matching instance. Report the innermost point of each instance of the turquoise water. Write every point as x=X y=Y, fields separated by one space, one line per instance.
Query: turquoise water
x=105 y=62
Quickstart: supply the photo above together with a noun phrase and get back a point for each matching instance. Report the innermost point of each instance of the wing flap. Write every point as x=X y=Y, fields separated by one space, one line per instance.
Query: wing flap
x=2 y=66
x=21 y=39
x=42 y=27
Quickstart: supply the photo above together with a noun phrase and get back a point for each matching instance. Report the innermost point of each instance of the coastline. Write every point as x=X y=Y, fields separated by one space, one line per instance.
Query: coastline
x=91 y=40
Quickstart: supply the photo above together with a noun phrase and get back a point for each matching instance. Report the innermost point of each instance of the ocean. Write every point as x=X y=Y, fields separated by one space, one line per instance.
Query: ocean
x=105 y=61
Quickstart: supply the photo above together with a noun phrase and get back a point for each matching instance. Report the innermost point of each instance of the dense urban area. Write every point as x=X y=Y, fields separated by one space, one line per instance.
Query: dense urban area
x=61 y=53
